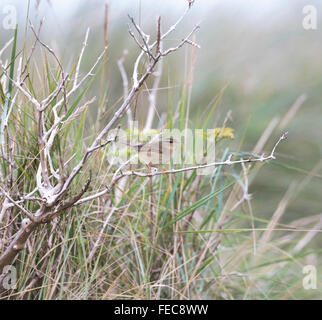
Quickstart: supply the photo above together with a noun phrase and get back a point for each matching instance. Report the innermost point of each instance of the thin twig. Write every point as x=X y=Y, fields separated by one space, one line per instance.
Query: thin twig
x=30 y=216
x=227 y=162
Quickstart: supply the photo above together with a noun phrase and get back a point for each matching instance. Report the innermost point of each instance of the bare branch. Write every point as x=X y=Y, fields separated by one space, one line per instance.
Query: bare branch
x=125 y=84
x=157 y=73
x=33 y=47
x=31 y=216
x=57 y=60
x=6 y=46
x=80 y=59
x=18 y=85
x=145 y=38
x=186 y=39
x=135 y=39
x=228 y=162
x=68 y=203
x=283 y=137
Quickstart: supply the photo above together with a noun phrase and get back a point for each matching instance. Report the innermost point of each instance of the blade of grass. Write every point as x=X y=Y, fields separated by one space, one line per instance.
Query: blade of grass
x=9 y=92
x=198 y=204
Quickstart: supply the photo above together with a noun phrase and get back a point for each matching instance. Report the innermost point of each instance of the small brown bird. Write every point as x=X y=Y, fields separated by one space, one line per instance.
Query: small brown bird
x=155 y=152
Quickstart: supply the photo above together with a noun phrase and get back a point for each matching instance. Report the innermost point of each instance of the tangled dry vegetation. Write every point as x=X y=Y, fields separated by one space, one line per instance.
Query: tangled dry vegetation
x=75 y=227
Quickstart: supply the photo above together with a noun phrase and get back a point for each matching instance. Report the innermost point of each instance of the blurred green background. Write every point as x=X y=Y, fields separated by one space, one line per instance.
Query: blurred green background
x=257 y=50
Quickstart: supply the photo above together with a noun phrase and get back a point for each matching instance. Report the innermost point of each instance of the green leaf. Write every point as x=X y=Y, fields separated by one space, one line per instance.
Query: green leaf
x=13 y=57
